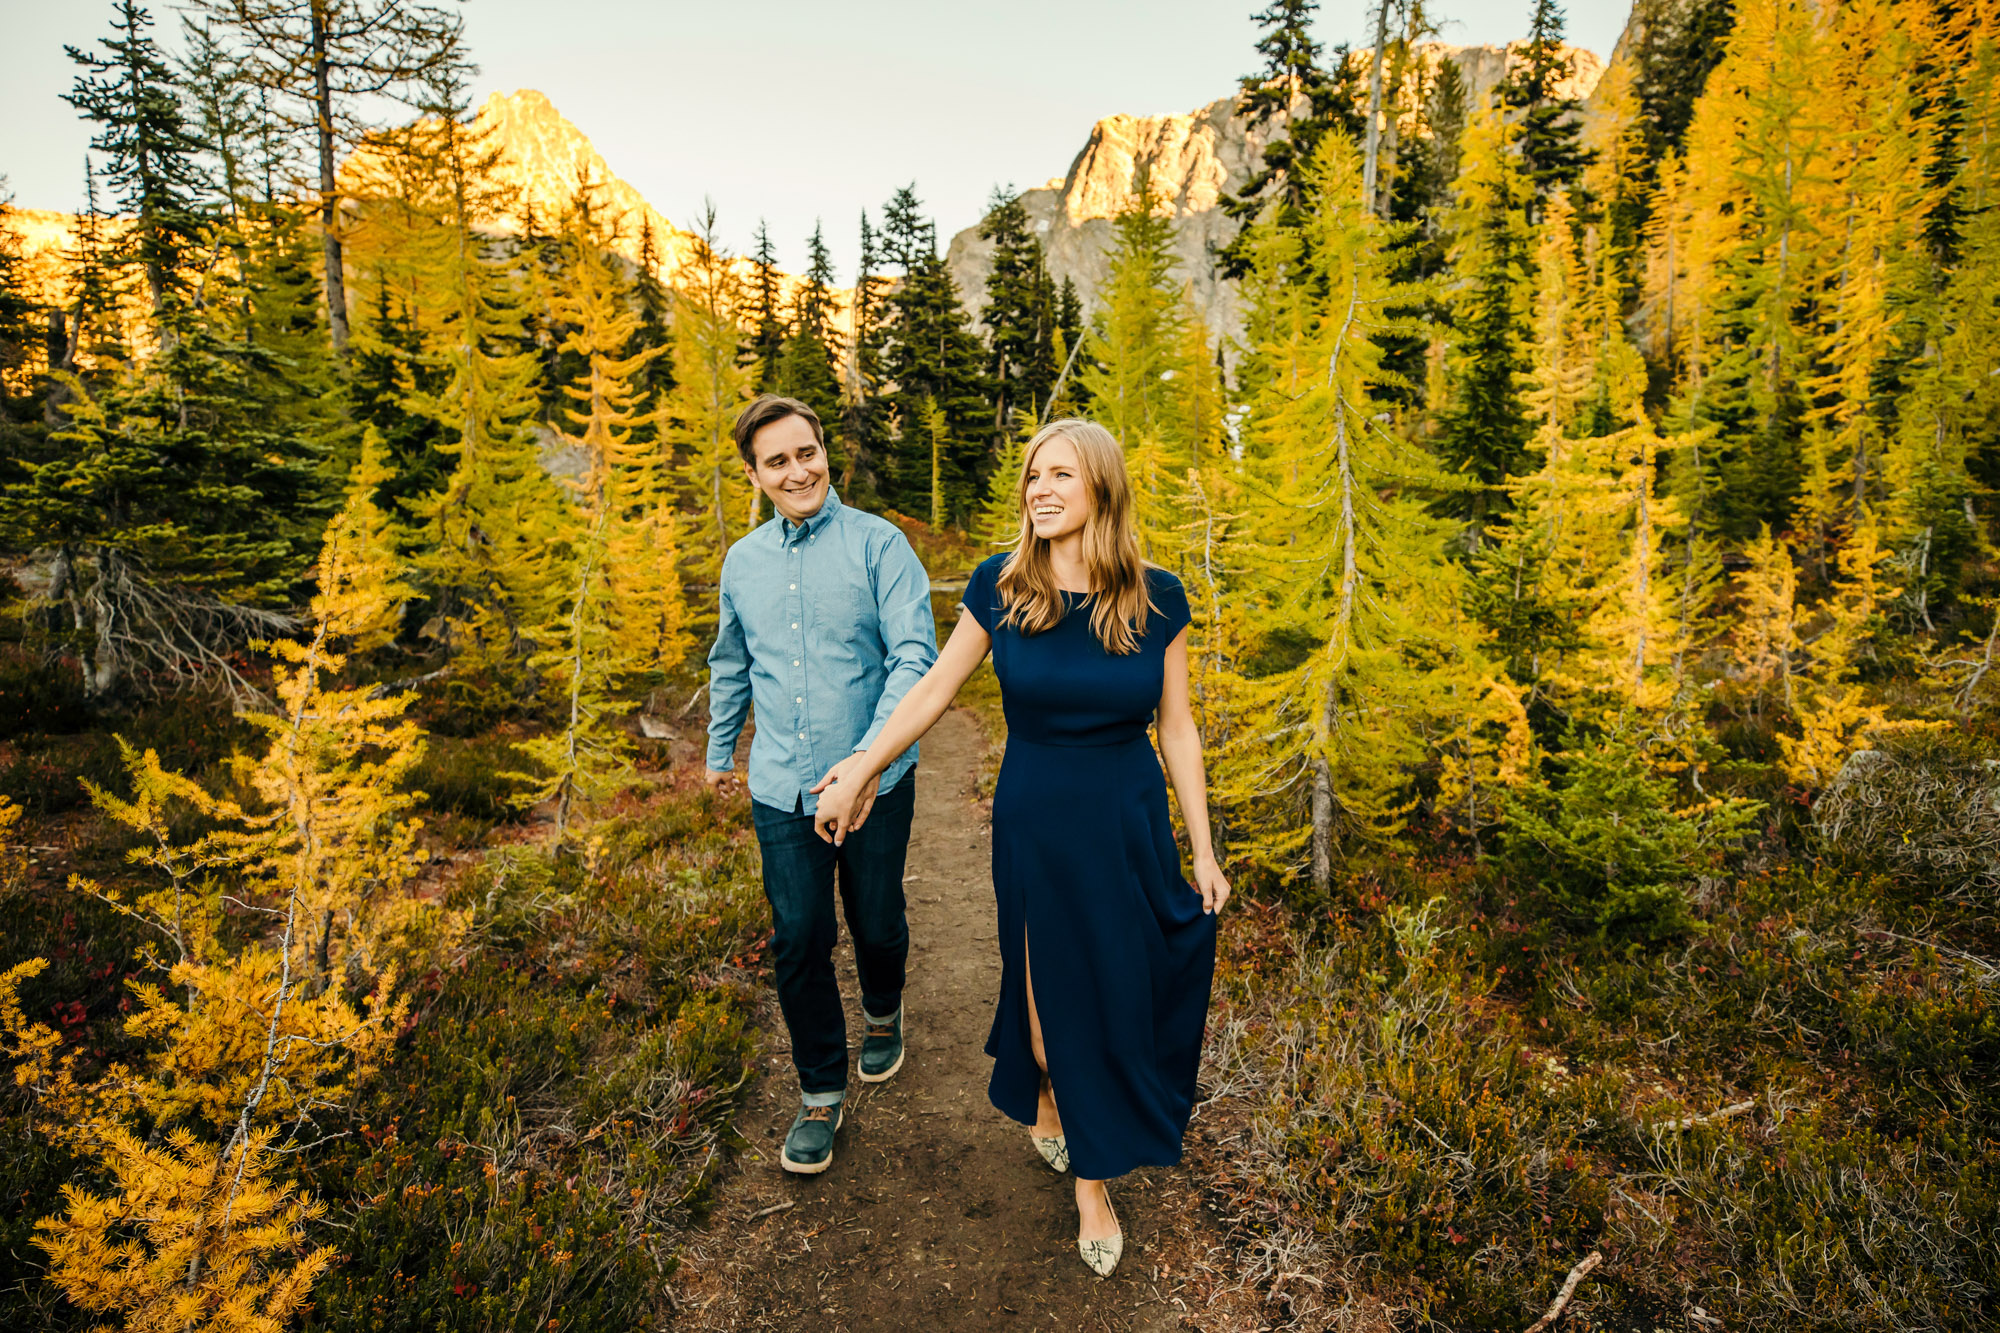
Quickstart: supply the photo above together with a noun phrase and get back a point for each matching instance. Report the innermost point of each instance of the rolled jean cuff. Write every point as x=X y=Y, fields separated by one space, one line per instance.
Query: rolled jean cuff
x=833 y=1098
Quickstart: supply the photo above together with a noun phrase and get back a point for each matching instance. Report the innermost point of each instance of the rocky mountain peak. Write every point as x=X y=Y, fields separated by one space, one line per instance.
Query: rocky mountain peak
x=544 y=157
x=1191 y=160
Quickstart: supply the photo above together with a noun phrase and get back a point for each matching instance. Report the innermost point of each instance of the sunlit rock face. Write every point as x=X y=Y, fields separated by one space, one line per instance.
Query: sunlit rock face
x=544 y=158
x=1192 y=161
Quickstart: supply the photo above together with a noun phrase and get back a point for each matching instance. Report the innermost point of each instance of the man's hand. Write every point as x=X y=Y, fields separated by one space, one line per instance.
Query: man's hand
x=719 y=779
x=845 y=798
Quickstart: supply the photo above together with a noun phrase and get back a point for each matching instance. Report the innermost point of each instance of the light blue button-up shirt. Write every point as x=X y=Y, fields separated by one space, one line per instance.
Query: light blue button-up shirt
x=825 y=626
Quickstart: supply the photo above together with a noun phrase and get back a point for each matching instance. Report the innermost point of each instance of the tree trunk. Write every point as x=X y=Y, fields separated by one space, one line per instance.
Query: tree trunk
x=1371 y=162
x=1322 y=825
x=329 y=199
x=101 y=675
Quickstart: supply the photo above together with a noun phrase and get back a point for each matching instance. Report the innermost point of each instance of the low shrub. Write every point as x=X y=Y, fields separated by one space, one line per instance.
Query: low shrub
x=1606 y=846
x=1923 y=806
x=1787 y=1120
x=556 y=1117
x=469 y=777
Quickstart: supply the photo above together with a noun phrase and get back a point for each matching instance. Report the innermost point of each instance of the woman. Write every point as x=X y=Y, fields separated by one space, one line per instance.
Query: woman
x=1099 y=932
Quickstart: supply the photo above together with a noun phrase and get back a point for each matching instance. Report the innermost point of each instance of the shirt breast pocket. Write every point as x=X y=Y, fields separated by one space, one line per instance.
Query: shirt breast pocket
x=846 y=612
x=861 y=611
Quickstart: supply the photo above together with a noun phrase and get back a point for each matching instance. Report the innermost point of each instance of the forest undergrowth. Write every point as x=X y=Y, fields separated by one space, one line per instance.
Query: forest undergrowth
x=1784 y=1119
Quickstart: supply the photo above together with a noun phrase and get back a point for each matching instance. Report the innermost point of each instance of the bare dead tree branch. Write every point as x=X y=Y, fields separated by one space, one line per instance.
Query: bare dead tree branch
x=1570 y=1284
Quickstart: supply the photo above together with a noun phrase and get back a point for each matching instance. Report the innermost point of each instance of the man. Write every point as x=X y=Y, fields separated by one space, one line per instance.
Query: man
x=826 y=623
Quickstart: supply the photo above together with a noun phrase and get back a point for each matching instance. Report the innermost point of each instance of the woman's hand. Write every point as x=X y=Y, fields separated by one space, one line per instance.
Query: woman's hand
x=845 y=798
x=1210 y=884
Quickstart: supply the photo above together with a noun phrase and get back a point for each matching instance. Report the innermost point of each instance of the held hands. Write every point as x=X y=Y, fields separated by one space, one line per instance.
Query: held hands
x=845 y=798
x=1208 y=882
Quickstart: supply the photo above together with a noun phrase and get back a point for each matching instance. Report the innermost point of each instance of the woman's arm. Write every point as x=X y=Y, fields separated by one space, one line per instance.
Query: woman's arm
x=1180 y=747
x=846 y=792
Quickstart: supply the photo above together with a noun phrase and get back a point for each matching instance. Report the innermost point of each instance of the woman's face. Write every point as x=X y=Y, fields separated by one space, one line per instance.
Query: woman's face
x=1057 y=501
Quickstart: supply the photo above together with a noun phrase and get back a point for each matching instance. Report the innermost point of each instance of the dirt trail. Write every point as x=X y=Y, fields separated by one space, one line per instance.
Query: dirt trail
x=936 y=1213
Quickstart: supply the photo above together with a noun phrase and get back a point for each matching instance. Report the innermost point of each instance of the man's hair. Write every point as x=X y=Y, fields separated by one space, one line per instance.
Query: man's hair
x=763 y=410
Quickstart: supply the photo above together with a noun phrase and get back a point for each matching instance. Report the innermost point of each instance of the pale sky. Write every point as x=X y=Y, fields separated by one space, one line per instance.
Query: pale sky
x=794 y=109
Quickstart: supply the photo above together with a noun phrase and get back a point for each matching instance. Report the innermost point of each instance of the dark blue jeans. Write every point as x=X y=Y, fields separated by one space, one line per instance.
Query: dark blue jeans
x=800 y=874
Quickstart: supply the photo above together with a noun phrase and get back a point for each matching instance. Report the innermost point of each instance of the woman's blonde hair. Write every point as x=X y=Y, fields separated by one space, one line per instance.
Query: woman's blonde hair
x=1029 y=594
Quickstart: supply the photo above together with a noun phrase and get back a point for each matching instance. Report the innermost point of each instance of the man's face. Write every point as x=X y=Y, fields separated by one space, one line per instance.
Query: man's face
x=790 y=468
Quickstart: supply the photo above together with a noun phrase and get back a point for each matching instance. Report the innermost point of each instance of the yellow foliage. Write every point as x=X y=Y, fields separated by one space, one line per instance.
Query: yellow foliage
x=361 y=575
x=1765 y=646
x=711 y=386
x=1831 y=709
x=627 y=477
x=189 y=1240
x=241 y=1038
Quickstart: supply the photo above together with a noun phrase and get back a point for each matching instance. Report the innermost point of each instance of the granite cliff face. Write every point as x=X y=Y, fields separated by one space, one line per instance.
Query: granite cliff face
x=1193 y=160
x=544 y=157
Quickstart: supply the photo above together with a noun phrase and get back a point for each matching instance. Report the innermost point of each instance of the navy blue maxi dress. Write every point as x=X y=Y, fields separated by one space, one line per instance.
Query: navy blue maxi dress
x=1088 y=877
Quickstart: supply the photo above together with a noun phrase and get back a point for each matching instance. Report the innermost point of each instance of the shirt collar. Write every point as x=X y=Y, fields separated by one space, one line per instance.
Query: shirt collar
x=792 y=533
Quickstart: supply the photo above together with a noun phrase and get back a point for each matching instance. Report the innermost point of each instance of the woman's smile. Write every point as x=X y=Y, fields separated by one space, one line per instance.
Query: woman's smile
x=1057 y=495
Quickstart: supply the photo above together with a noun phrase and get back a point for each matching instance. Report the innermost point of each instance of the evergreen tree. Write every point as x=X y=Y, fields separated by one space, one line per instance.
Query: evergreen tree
x=864 y=412
x=130 y=93
x=1020 y=316
x=1678 y=43
x=1483 y=428
x=1067 y=397
x=329 y=65
x=655 y=305
x=181 y=490
x=935 y=362
x=1292 y=72
x=1551 y=156
x=767 y=329
x=808 y=367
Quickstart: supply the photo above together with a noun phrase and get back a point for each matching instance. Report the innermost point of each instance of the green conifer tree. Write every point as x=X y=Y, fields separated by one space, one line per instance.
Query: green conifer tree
x=1483 y=428
x=767 y=323
x=1292 y=71
x=1552 y=157
x=808 y=367
x=131 y=95
x=864 y=412
x=934 y=360
x=1019 y=315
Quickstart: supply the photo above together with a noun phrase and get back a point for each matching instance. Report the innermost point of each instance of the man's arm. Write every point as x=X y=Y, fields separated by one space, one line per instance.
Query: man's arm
x=909 y=630
x=728 y=688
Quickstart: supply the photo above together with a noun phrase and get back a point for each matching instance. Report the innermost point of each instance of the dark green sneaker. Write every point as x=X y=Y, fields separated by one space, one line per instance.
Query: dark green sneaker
x=809 y=1145
x=882 y=1048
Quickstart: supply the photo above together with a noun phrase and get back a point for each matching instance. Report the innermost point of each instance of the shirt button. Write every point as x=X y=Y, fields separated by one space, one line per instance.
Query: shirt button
x=799 y=699
x=795 y=624
x=795 y=661
x=795 y=587
x=802 y=735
